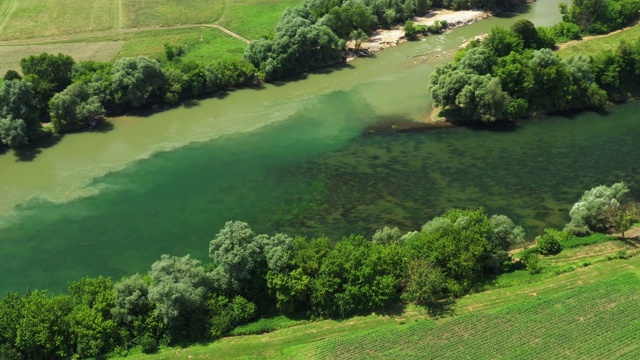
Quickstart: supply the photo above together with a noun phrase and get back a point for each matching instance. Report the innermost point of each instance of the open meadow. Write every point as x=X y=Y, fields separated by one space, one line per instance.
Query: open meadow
x=583 y=305
x=105 y=30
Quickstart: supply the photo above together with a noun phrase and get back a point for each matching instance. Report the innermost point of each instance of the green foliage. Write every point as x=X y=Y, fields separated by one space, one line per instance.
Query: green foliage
x=179 y=288
x=237 y=256
x=532 y=262
x=600 y=16
x=74 y=107
x=265 y=325
x=47 y=73
x=456 y=242
x=387 y=235
x=549 y=243
x=356 y=276
x=590 y=212
x=43 y=330
x=13 y=133
x=578 y=241
x=425 y=283
x=93 y=330
x=136 y=81
x=19 y=102
x=503 y=41
x=172 y=51
x=12 y=75
x=565 y=31
x=527 y=32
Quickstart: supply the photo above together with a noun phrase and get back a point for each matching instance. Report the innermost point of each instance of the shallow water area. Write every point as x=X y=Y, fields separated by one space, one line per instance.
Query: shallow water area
x=295 y=157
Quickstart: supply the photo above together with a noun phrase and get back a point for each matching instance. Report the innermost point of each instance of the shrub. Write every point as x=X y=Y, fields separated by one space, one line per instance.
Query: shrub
x=532 y=262
x=549 y=242
x=148 y=344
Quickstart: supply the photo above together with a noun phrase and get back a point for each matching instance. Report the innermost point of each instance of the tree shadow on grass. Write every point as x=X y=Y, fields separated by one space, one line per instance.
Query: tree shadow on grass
x=30 y=151
x=443 y=308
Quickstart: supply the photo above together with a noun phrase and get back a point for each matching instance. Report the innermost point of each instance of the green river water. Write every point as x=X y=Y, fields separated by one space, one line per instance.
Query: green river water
x=295 y=157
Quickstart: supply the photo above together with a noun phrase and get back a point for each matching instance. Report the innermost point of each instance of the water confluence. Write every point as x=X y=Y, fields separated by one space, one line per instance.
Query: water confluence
x=294 y=157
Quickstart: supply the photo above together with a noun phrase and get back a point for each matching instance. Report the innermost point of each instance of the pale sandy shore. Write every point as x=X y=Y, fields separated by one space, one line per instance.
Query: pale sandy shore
x=382 y=39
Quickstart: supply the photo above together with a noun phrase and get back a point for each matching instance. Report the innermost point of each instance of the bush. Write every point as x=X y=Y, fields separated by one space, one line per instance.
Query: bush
x=148 y=344
x=549 y=242
x=532 y=261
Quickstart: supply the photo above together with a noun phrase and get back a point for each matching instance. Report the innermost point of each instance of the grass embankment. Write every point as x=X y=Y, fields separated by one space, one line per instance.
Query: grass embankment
x=592 y=45
x=583 y=305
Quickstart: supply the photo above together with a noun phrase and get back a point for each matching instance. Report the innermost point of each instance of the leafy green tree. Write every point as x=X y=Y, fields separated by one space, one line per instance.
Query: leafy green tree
x=44 y=331
x=357 y=276
x=600 y=16
x=13 y=133
x=93 y=331
x=387 y=235
x=18 y=101
x=134 y=313
x=180 y=286
x=425 y=283
x=582 y=89
x=135 y=81
x=527 y=32
x=503 y=41
x=483 y=99
x=623 y=217
x=11 y=313
x=74 y=107
x=503 y=235
x=590 y=212
x=12 y=75
x=551 y=81
x=456 y=242
x=565 y=31
x=48 y=73
x=479 y=60
x=236 y=255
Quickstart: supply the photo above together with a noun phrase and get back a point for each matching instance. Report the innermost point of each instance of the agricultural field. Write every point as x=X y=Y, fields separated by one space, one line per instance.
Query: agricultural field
x=147 y=13
x=255 y=18
x=583 y=305
x=25 y=19
x=105 y=30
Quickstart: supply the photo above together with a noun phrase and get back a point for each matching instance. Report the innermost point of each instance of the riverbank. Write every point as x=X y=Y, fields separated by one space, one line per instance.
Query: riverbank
x=386 y=38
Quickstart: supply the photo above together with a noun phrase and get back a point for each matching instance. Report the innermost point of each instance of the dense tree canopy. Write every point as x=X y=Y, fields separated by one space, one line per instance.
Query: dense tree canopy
x=135 y=81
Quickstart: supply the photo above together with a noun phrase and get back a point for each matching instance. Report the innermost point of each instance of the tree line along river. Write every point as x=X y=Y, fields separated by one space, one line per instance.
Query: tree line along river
x=295 y=157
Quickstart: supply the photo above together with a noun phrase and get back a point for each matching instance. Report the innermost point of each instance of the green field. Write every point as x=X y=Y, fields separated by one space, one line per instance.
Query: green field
x=145 y=13
x=254 y=18
x=139 y=27
x=583 y=305
x=600 y=43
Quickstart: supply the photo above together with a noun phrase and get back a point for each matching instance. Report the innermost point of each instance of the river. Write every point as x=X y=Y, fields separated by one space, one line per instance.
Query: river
x=294 y=157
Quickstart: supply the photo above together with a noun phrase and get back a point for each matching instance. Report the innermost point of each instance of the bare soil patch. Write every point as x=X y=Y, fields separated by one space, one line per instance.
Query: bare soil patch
x=98 y=51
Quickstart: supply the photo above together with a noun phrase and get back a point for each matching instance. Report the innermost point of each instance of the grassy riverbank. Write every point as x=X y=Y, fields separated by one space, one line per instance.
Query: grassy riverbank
x=518 y=316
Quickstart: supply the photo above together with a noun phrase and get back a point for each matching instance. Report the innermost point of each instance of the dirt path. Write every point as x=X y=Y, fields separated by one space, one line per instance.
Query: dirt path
x=81 y=36
x=587 y=38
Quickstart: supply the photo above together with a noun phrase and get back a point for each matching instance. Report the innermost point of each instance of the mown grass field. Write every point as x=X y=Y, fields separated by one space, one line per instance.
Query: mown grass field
x=145 y=13
x=254 y=18
x=583 y=305
x=140 y=26
x=24 y=19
